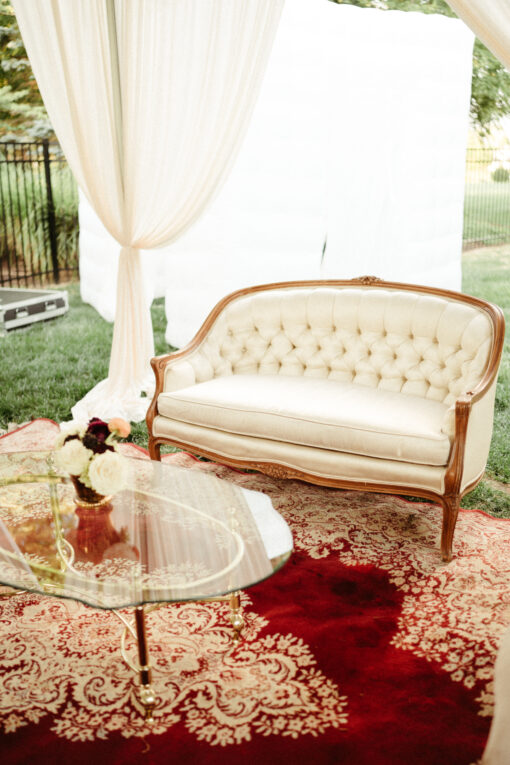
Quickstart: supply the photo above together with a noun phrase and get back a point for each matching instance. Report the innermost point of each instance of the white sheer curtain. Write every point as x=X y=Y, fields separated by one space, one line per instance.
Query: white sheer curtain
x=490 y=21
x=150 y=100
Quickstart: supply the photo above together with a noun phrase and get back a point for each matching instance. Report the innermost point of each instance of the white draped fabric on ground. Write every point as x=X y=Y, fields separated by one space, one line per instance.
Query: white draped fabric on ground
x=358 y=137
x=150 y=100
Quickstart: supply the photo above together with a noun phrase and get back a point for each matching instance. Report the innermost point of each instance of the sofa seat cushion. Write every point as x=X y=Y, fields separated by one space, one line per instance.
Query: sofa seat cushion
x=315 y=412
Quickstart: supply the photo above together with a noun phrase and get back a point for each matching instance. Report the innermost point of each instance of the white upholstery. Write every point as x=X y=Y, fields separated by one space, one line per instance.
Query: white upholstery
x=321 y=463
x=478 y=439
x=418 y=344
x=316 y=412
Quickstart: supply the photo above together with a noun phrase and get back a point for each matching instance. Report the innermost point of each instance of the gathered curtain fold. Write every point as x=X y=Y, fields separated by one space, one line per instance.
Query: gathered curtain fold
x=490 y=21
x=150 y=100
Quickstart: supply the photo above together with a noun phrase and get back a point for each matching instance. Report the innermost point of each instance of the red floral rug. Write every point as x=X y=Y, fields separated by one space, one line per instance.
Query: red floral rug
x=365 y=648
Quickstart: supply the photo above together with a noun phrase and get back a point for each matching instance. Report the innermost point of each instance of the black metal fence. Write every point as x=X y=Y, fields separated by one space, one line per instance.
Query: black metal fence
x=39 y=210
x=38 y=215
x=487 y=197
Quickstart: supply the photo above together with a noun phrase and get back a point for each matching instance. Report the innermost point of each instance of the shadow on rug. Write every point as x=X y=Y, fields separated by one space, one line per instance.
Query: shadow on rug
x=365 y=648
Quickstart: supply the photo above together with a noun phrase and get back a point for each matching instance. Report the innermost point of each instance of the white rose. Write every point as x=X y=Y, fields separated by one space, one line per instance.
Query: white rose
x=73 y=457
x=107 y=472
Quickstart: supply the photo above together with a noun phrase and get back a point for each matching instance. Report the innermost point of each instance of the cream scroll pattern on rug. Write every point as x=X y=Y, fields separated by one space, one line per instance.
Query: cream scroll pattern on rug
x=453 y=614
x=63 y=659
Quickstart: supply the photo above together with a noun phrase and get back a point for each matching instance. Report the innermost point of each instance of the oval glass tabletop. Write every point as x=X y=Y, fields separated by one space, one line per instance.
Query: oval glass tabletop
x=173 y=534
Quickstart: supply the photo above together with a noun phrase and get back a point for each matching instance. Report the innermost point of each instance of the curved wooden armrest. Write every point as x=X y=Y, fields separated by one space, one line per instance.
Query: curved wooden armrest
x=158 y=364
x=453 y=474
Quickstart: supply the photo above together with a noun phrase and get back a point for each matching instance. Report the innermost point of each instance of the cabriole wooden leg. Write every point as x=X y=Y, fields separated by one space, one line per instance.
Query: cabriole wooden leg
x=154 y=450
x=450 y=512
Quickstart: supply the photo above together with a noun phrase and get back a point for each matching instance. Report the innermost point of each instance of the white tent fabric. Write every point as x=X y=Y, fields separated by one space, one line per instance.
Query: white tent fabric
x=365 y=147
x=149 y=100
x=405 y=86
x=490 y=21
x=323 y=150
x=269 y=221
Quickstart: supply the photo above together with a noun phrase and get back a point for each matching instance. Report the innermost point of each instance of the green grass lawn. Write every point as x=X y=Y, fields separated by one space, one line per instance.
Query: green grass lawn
x=50 y=365
x=486 y=274
x=487 y=212
x=47 y=367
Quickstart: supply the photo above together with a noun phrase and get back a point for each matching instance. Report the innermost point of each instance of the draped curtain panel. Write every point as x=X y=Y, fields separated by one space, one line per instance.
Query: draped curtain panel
x=490 y=21
x=150 y=100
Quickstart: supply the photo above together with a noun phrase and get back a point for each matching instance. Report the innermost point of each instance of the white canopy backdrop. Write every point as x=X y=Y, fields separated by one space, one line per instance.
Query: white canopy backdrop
x=405 y=88
x=358 y=137
x=149 y=100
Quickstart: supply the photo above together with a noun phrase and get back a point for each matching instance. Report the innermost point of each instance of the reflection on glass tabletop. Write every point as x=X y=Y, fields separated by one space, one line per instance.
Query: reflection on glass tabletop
x=173 y=534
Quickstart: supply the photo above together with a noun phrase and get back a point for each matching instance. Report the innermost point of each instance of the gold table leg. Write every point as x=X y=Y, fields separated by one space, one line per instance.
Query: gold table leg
x=138 y=632
x=236 y=618
x=147 y=695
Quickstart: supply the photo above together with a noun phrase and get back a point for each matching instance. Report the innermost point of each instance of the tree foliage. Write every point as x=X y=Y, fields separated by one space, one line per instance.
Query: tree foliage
x=490 y=85
x=22 y=113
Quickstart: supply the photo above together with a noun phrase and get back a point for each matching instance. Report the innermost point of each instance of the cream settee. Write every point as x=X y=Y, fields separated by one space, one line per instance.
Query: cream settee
x=357 y=384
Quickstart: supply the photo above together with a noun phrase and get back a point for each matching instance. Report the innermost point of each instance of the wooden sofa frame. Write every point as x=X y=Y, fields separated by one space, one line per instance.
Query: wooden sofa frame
x=450 y=499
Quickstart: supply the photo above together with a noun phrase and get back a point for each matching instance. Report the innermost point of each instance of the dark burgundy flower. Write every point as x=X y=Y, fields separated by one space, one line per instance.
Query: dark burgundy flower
x=99 y=429
x=95 y=436
x=91 y=442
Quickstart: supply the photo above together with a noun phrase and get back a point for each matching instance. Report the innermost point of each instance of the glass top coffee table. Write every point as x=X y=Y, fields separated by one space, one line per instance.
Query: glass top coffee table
x=172 y=535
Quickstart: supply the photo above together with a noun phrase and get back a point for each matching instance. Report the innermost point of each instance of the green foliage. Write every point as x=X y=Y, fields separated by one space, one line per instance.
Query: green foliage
x=22 y=113
x=487 y=275
x=21 y=119
x=490 y=89
x=500 y=175
x=490 y=85
x=485 y=497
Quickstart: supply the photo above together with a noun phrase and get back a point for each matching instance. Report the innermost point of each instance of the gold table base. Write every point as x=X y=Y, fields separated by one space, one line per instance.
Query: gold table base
x=138 y=632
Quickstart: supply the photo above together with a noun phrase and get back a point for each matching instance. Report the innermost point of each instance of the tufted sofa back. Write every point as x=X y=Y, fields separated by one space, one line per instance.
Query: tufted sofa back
x=417 y=343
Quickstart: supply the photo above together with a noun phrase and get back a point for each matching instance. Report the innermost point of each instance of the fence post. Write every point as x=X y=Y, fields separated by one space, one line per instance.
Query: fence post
x=52 y=229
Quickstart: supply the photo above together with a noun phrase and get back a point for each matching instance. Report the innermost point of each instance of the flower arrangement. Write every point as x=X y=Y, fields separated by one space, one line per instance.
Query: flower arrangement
x=89 y=454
